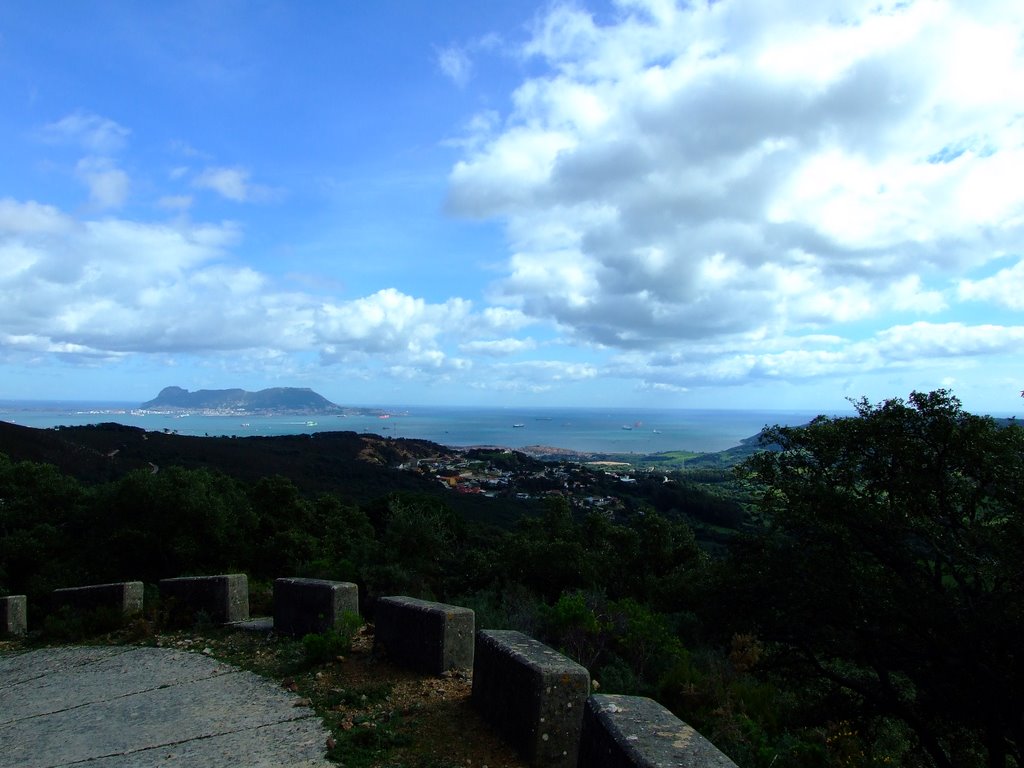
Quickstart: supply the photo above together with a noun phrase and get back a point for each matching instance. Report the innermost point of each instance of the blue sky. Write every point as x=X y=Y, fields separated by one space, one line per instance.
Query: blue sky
x=734 y=205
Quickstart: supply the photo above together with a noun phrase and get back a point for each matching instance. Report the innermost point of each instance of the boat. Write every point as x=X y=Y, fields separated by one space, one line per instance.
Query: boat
x=310 y=423
x=518 y=426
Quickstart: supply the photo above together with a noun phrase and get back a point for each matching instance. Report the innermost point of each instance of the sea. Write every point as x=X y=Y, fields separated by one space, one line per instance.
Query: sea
x=588 y=430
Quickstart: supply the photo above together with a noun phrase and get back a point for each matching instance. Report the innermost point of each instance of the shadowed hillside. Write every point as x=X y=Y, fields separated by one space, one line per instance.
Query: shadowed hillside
x=362 y=465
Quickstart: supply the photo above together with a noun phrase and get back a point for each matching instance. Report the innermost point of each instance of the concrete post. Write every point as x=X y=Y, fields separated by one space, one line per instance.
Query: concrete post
x=429 y=637
x=304 y=606
x=13 y=615
x=531 y=693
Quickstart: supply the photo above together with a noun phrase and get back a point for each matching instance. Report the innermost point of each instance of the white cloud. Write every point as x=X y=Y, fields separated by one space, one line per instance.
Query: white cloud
x=915 y=347
x=102 y=289
x=113 y=286
x=108 y=185
x=498 y=347
x=533 y=376
x=1005 y=288
x=938 y=340
x=705 y=171
x=502 y=319
x=231 y=183
x=455 y=64
x=389 y=323
x=693 y=195
x=97 y=135
x=25 y=219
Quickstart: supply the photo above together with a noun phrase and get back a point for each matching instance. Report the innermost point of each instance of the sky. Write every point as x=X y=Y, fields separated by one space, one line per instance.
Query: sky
x=726 y=204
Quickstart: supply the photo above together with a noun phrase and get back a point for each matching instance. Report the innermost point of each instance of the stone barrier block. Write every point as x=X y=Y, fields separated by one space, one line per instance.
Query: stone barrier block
x=627 y=731
x=425 y=636
x=13 y=615
x=304 y=606
x=123 y=597
x=534 y=695
x=223 y=598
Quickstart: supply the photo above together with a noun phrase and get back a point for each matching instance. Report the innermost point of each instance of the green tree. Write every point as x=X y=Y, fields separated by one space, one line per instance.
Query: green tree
x=890 y=572
x=285 y=541
x=41 y=518
x=177 y=521
x=547 y=554
x=419 y=538
x=348 y=540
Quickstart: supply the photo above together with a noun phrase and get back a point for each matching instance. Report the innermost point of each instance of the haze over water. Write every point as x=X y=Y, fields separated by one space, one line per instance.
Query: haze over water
x=605 y=430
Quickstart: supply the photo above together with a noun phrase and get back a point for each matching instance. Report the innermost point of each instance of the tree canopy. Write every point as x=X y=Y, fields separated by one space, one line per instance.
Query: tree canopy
x=890 y=569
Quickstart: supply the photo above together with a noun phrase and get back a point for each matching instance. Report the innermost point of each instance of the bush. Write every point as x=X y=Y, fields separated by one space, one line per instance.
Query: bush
x=327 y=646
x=74 y=626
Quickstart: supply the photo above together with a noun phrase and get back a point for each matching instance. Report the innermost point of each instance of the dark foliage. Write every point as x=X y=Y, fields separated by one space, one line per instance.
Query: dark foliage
x=869 y=614
x=889 y=576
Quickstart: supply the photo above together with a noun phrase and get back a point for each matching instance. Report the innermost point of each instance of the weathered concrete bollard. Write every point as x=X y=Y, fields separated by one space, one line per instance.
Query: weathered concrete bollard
x=304 y=606
x=531 y=693
x=13 y=615
x=428 y=637
x=124 y=597
x=627 y=731
x=223 y=598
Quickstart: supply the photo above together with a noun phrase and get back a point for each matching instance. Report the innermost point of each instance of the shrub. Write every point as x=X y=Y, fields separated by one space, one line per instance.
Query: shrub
x=327 y=646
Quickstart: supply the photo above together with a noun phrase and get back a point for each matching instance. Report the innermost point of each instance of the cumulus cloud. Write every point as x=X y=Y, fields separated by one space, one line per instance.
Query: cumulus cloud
x=102 y=289
x=114 y=286
x=18 y=220
x=912 y=347
x=1005 y=288
x=693 y=194
x=919 y=341
x=701 y=171
x=110 y=287
x=389 y=322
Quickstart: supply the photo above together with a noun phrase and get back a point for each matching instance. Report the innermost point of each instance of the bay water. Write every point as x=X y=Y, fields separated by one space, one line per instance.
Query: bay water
x=603 y=430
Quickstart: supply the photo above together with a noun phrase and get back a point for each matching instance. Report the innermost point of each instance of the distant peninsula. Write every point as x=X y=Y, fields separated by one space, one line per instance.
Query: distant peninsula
x=277 y=400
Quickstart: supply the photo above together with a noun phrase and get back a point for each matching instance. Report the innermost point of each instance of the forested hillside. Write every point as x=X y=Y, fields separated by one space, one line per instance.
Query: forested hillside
x=864 y=609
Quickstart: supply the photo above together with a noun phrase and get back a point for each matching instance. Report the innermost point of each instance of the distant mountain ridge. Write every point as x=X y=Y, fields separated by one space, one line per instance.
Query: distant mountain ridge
x=274 y=400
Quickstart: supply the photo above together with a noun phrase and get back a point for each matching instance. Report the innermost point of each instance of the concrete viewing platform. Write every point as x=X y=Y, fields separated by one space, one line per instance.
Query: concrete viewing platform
x=115 y=707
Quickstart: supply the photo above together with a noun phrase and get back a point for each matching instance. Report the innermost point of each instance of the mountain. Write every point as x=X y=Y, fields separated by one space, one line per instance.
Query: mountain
x=275 y=400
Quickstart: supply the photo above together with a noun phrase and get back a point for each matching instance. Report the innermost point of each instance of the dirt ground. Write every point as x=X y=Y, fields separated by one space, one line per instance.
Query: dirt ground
x=381 y=715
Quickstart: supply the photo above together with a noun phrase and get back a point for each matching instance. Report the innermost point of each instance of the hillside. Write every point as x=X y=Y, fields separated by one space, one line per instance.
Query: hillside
x=360 y=464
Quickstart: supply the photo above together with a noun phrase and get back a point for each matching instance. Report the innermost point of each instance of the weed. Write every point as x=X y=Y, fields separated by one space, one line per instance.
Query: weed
x=327 y=646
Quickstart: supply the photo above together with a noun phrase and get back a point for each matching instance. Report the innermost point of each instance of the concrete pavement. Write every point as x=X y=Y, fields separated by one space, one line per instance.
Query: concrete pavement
x=115 y=707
